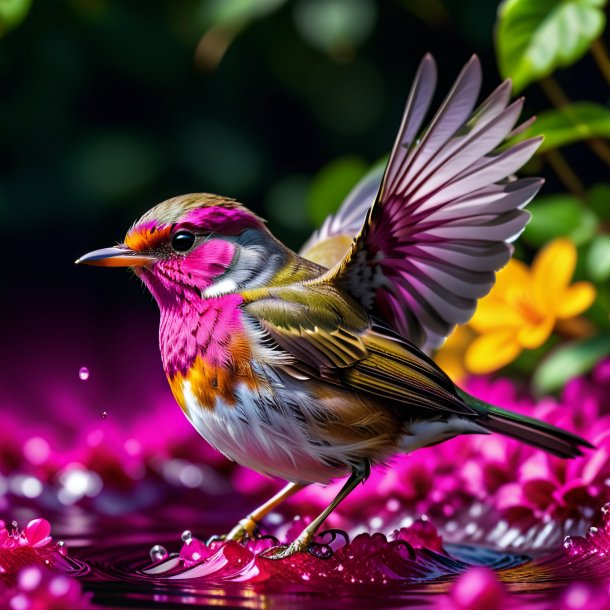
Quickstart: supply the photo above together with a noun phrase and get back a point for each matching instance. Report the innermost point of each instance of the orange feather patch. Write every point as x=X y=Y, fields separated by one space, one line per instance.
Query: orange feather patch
x=210 y=383
x=147 y=237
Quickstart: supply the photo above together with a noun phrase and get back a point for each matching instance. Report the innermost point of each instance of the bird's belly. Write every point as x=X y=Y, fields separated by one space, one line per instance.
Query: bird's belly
x=289 y=431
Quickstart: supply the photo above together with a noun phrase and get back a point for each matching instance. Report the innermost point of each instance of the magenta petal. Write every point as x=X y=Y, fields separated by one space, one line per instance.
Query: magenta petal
x=573 y=493
x=538 y=493
x=194 y=551
x=37 y=532
x=478 y=589
x=510 y=496
x=421 y=535
x=596 y=464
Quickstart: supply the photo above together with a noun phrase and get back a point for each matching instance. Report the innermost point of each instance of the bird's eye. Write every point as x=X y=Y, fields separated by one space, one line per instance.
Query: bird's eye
x=183 y=241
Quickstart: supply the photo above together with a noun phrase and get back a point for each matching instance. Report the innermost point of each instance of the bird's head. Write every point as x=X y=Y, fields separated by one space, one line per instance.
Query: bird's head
x=195 y=246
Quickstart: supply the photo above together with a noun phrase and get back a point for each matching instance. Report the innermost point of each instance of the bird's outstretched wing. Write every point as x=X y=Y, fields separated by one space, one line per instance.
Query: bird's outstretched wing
x=329 y=337
x=446 y=212
x=329 y=244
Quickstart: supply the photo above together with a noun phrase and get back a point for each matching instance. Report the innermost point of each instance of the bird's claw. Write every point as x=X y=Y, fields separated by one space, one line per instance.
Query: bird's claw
x=245 y=529
x=300 y=545
x=216 y=538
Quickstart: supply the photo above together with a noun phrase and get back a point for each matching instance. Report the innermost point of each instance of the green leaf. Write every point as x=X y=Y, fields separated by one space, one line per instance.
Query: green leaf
x=598 y=199
x=570 y=361
x=12 y=13
x=535 y=37
x=559 y=215
x=598 y=258
x=574 y=123
x=332 y=184
x=331 y=25
x=215 y=13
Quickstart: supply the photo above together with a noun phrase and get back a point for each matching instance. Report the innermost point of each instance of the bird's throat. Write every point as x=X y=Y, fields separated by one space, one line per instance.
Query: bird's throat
x=205 y=348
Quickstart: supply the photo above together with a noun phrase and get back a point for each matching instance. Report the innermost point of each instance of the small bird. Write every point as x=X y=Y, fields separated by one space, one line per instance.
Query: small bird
x=313 y=366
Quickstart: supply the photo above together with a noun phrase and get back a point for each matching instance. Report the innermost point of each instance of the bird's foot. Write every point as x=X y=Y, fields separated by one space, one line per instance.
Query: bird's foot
x=242 y=531
x=300 y=545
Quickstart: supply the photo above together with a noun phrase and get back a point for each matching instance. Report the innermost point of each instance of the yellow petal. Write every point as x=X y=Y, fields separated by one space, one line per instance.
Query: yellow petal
x=493 y=313
x=452 y=365
x=515 y=274
x=534 y=335
x=492 y=351
x=450 y=357
x=552 y=271
x=575 y=300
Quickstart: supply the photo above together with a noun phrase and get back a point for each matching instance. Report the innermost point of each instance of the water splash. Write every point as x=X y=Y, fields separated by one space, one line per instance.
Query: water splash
x=595 y=542
x=158 y=553
x=32 y=545
x=372 y=560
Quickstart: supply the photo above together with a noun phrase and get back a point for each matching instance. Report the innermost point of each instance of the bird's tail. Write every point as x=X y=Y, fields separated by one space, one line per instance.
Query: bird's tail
x=526 y=429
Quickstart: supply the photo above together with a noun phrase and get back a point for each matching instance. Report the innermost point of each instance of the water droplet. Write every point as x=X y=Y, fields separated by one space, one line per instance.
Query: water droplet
x=61 y=548
x=575 y=546
x=104 y=414
x=158 y=553
x=186 y=536
x=83 y=373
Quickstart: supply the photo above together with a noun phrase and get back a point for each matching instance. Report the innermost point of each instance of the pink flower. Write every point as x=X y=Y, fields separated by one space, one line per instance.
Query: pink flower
x=584 y=596
x=421 y=535
x=596 y=541
x=35 y=535
x=23 y=547
x=42 y=589
x=476 y=589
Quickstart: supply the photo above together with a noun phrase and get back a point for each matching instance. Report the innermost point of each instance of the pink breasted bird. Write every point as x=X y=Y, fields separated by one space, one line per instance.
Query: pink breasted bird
x=313 y=366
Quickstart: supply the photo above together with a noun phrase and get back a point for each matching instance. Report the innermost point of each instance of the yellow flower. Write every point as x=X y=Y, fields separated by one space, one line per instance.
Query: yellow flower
x=450 y=357
x=524 y=305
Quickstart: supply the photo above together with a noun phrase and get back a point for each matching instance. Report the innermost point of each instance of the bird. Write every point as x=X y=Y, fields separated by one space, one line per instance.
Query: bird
x=315 y=366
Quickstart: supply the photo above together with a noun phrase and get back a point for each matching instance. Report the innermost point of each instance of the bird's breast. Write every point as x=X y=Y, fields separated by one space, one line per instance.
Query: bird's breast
x=204 y=344
x=211 y=383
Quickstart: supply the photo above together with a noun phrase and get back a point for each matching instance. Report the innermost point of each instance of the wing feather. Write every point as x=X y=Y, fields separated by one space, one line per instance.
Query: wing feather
x=328 y=336
x=446 y=213
x=333 y=239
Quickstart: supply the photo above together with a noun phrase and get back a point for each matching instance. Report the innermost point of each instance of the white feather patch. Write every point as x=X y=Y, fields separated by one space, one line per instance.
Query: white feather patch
x=424 y=432
x=260 y=351
x=225 y=286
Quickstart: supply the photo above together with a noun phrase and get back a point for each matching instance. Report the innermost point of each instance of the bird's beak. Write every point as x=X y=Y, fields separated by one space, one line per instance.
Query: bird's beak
x=119 y=256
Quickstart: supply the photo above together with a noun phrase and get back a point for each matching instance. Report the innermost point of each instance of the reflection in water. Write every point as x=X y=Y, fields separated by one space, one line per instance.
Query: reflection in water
x=120 y=490
x=130 y=562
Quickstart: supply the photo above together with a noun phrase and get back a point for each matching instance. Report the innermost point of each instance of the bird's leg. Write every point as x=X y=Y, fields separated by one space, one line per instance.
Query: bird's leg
x=303 y=542
x=246 y=527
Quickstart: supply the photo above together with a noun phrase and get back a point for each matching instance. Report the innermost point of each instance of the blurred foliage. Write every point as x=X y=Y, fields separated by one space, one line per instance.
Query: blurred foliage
x=335 y=26
x=562 y=214
x=534 y=37
x=533 y=40
x=598 y=259
x=111 y=107
x=568 y=361
x=332 y=185
x=568 y=124
x=220 y=12
x=12 y=13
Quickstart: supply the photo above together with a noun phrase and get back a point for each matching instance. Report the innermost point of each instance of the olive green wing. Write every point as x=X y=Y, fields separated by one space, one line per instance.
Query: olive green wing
x=328 y=336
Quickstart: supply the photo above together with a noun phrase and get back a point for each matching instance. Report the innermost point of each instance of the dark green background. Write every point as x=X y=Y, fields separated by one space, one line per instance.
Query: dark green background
x=106 y=109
